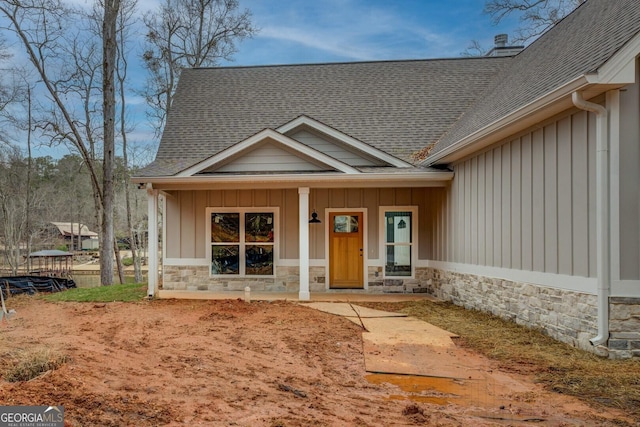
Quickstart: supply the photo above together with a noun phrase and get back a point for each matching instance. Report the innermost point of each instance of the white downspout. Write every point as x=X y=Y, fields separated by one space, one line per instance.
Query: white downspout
x=602 y=214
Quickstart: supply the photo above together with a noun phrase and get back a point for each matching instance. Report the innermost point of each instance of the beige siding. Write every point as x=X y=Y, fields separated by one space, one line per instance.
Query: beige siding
x=268 y=157
x=629 y=167
x=186 y=217
x=527 y=203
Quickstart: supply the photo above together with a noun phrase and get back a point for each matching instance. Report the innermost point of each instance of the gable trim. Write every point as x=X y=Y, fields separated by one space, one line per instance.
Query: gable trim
x=290 y=143
x=346 y=139
x=621 y=67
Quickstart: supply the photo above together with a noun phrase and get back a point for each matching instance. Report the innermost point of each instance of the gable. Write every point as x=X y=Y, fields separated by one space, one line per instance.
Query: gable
x=269 y=156
x=268 y=151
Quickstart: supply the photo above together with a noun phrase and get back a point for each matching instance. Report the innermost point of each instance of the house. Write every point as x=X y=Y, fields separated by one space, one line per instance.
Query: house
x=77 y=235
x=504 y=184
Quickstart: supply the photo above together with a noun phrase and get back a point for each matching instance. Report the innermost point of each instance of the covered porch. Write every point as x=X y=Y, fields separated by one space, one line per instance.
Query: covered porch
x=316 y=223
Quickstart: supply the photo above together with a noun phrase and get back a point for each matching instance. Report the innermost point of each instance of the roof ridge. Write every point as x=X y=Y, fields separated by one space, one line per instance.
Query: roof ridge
x=317 y=64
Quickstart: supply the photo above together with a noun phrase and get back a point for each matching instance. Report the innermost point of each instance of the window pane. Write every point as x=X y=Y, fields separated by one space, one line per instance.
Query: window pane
x=398 y=261
x=258 y=227
x=259 y=260
x=225 y=227
x=345 y=224
x=398 y=225
x=225 y=259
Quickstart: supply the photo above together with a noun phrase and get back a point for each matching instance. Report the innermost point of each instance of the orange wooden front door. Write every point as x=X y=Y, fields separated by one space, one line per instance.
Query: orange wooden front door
x=346 y=257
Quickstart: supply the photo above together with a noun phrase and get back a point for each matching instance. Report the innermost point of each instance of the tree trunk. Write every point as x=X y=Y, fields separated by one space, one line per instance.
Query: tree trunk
x=111 y=8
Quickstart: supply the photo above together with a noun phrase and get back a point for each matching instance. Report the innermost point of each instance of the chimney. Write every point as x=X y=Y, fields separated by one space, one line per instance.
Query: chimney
x=501 y=40
x=502 y=47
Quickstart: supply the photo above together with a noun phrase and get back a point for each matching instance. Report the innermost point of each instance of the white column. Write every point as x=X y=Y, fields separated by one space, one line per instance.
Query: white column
x=152 y=257
x=303 y=195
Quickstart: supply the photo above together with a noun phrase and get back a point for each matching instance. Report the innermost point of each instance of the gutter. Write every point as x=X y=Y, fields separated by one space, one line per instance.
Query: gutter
x=312 y=180
x=602 y=214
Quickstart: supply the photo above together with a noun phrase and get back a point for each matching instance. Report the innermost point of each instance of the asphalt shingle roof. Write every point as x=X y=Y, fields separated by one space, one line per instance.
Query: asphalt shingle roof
x=396 y=106
x=579 y=44
x=399 y=107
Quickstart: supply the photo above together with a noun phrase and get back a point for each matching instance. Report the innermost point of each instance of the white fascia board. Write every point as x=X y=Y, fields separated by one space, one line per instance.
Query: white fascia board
x=346 y=139
x=621 y=67
x=291 y=143
x=311 y=180
x=500 y=128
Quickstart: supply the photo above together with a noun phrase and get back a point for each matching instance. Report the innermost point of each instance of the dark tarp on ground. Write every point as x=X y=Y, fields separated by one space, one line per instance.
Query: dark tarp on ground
x=33 y=284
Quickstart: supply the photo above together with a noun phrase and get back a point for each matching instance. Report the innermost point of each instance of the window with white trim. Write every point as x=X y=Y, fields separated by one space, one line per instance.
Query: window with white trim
x=242 y=242
x=398 y=238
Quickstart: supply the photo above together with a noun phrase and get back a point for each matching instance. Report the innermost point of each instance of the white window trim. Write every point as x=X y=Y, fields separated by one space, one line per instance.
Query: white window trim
x=242 y=243
x=383 y=238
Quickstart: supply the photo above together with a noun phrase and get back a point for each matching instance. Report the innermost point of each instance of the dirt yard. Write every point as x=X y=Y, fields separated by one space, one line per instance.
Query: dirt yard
x=231 y=363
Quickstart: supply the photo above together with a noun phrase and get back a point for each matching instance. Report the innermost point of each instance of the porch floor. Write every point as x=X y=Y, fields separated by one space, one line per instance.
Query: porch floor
x=293 y=296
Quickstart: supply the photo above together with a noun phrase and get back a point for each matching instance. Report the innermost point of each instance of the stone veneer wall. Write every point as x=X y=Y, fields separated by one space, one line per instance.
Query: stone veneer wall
x=624 y=327
x=567 y=316
x=196 y=278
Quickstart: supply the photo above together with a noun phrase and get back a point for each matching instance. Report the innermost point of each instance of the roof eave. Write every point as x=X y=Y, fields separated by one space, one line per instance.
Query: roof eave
x=616 y=72
x=548 y=105
x=311 y=180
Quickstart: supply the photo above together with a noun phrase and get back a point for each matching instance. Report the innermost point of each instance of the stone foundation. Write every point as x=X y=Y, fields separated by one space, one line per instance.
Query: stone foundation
x=624 y=327
x=379 y=285
x=196 y=278
x=567 y=316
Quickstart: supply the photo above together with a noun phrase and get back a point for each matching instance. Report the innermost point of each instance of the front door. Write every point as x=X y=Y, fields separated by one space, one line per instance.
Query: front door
x=346 y=257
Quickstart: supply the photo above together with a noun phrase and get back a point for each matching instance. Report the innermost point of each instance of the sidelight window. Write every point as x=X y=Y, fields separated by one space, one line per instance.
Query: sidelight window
x=398 y=243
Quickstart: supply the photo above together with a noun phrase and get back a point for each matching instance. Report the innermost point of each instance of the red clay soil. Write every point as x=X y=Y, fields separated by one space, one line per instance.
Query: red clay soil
x=227 y=363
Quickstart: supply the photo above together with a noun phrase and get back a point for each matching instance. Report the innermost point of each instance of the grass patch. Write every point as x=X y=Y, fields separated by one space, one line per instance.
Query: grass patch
x=25 y=365
x=126 y=292
x=558 y=366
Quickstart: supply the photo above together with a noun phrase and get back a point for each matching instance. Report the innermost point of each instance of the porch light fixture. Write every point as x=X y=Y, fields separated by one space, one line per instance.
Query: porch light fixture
x=314 y=218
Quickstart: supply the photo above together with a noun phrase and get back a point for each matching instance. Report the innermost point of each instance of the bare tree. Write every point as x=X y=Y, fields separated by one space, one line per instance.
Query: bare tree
x=188 y=33
x=124 y=24
x=65 y=58
x=12 y=204
x=474 y=49
x=109 y=49
x=536 y=16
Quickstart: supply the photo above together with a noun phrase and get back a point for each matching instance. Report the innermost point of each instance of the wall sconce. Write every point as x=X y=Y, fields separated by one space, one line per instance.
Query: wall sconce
x=314 y=218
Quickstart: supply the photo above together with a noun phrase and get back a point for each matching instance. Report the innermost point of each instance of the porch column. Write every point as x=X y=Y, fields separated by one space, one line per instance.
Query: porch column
x=303 y=196
x=152 y=225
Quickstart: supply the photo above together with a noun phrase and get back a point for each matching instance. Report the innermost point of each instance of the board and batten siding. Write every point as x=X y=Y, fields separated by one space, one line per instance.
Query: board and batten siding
x=528 y=203
x=186 y=217
x=627 y=163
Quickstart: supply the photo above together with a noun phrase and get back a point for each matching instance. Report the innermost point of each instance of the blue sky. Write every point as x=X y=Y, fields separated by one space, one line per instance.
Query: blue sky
x=316 y=31
x=306 y=31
